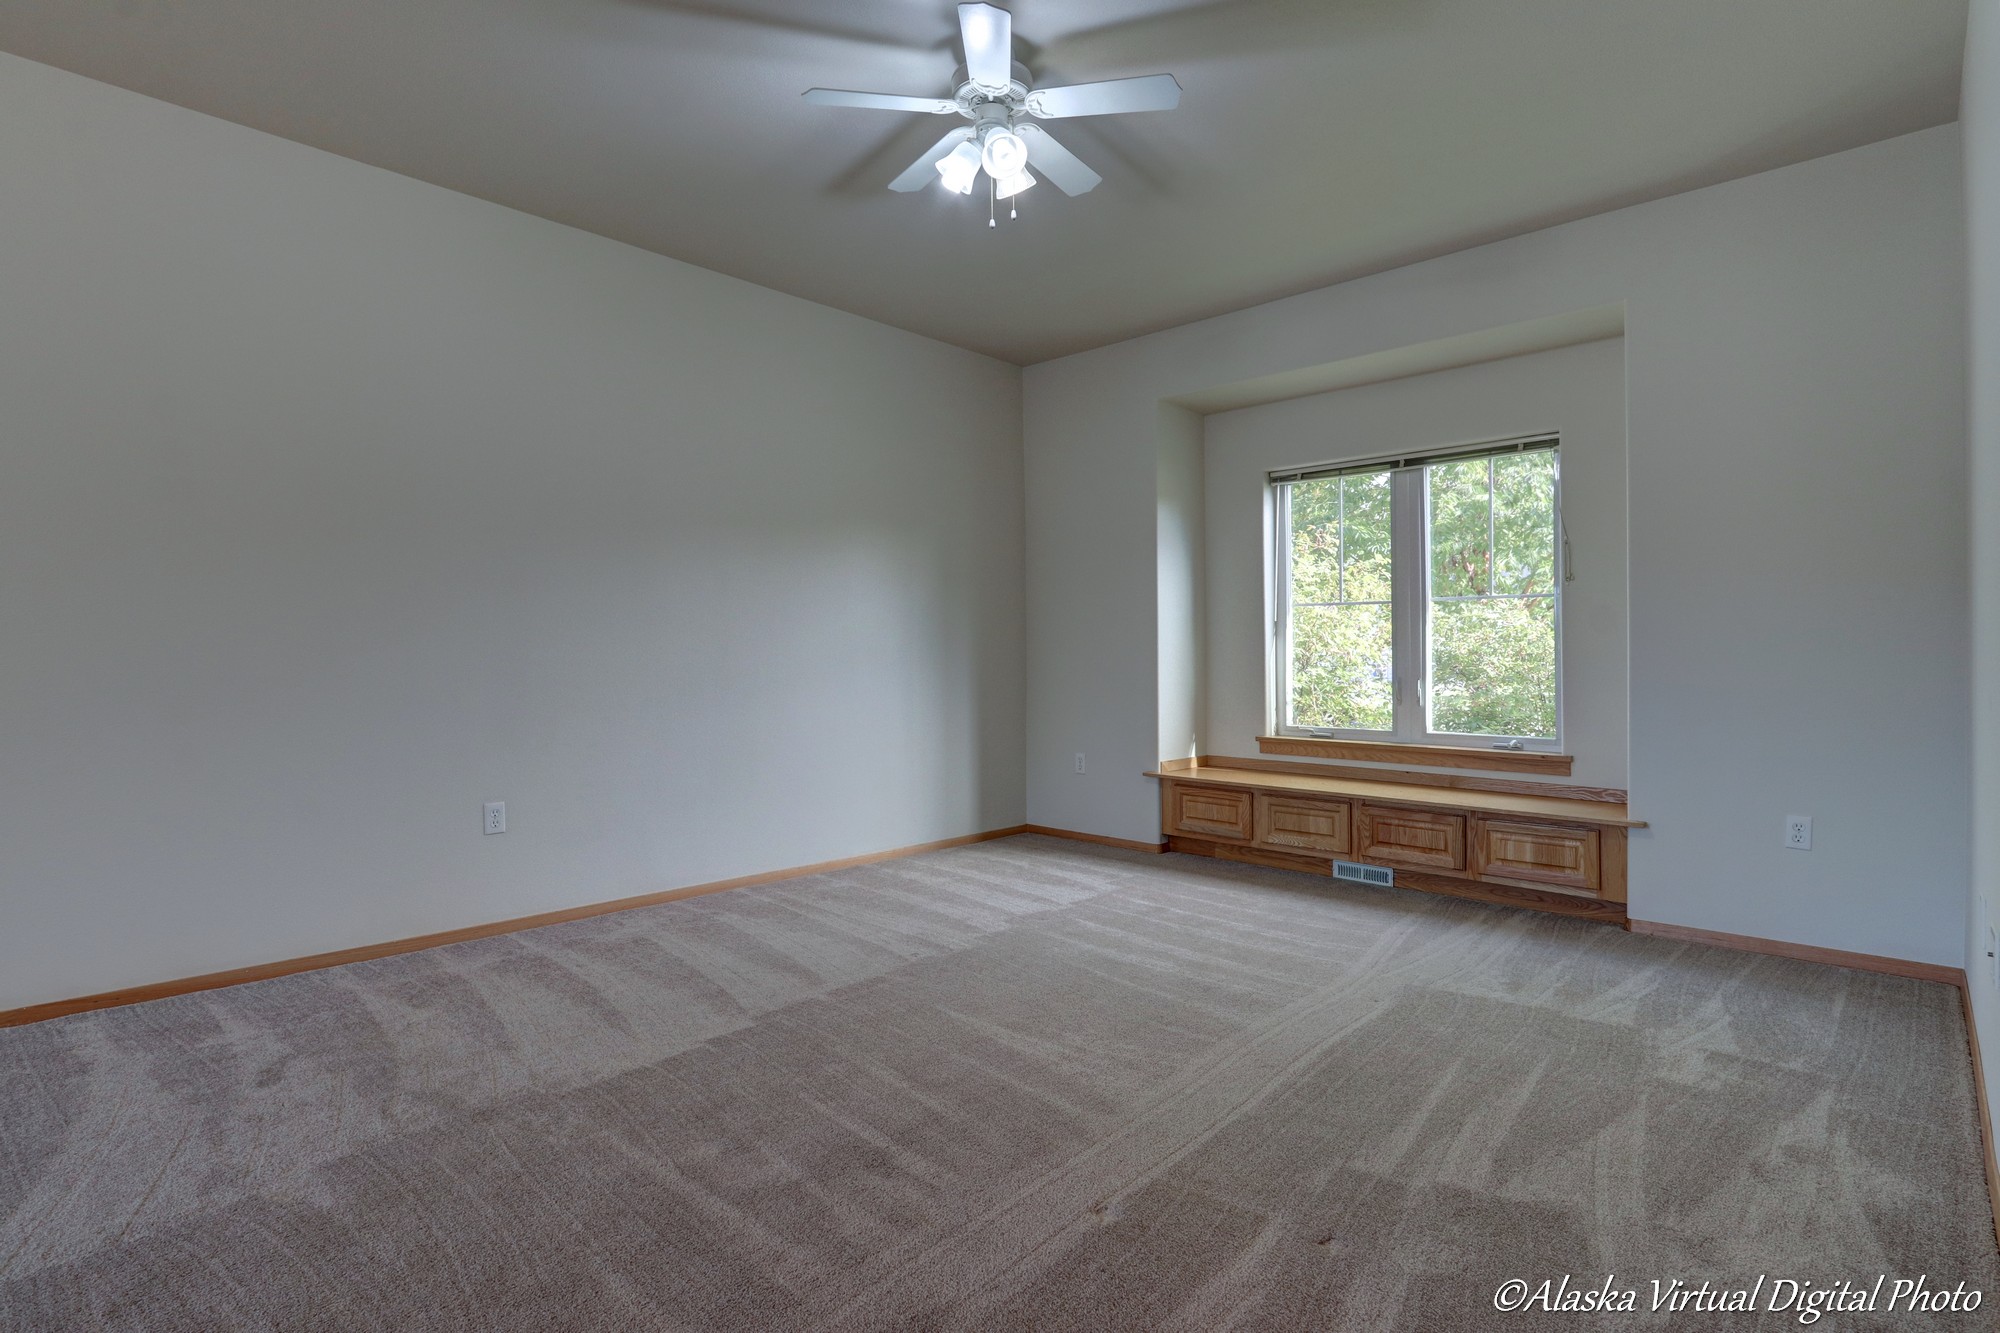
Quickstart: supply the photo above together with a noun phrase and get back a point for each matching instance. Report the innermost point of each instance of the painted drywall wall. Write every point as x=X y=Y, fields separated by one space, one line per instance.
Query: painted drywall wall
x=333 y=504
x=1981 y=112
x=1796 y=423
x=1182 y=586
x=1578 y=392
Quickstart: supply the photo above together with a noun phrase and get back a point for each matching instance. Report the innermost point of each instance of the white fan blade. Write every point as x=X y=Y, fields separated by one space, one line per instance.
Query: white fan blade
x=878 y=101
x=1151 y=92
x=1060 y=166
x=989 y=44
x=923 y=171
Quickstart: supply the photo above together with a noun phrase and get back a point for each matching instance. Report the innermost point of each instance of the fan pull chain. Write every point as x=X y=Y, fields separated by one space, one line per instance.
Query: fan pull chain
x=992 y=192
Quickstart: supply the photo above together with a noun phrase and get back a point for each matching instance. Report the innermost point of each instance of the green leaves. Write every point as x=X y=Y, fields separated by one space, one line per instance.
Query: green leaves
x=1492 y=525
x=1342 y=649
x=1493 y=536
x=1460 y=529
x=1343 y=668
x=1493 y=667
x=1524 y=523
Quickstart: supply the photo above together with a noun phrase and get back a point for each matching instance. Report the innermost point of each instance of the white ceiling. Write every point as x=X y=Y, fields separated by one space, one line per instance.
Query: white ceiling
x=1314 y=141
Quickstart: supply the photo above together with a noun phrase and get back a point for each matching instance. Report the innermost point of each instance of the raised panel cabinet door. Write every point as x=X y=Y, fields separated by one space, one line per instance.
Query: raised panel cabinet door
x=1566 y=856
x=1297 y=824
x=1431 y=839
x=1209 y=812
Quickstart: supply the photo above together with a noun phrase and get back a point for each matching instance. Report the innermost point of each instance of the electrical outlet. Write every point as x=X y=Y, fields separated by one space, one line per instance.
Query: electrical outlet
x=1079 y=761
x=1993 y=952
x=1798 y=832
x=496 y=816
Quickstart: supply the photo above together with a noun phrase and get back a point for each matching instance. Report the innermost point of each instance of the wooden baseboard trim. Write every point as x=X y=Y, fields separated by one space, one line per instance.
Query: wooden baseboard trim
x=1809 y=953
x=160 y=990
x=1576 y=906
x=1985 y=1111
x=1098 y=838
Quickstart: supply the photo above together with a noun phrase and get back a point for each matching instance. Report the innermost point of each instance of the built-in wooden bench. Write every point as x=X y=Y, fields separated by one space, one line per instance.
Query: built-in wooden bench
x=1494 y=842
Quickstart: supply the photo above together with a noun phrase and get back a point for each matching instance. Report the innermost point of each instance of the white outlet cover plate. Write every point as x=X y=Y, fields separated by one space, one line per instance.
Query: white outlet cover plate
x=494 y=816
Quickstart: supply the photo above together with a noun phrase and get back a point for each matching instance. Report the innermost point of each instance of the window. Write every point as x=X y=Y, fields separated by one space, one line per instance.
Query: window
x=1420 y=599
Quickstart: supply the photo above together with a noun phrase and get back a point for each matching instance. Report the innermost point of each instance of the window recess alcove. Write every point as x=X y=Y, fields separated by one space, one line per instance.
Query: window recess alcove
x=1449 y=641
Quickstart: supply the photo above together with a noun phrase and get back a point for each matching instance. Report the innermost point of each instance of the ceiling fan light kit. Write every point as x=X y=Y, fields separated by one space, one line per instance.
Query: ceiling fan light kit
x=1002 y=152
x=959 y=168
x=1013 y=185
x=1000 y=100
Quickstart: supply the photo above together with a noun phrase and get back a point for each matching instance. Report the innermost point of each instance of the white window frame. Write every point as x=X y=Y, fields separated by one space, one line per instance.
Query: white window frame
x=1409 y=607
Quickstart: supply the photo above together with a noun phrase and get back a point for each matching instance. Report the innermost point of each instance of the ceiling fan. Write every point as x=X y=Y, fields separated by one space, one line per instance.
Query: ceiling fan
x=997 y=96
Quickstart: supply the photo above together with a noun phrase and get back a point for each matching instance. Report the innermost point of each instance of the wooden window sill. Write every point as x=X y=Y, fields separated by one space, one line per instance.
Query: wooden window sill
x=1423 y=756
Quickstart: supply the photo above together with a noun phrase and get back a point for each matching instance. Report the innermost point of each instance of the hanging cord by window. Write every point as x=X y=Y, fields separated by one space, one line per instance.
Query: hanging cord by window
x=1569 y=570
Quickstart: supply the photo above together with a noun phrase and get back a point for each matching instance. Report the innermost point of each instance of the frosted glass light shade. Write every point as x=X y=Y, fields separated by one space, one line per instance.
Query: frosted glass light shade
x=959 y=168
x=1004 y=154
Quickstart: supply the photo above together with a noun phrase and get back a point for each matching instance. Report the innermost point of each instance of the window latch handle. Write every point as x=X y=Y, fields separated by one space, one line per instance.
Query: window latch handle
x=1508 y=745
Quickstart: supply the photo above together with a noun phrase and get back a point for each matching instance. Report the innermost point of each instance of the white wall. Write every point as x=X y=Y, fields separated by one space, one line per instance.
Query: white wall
x=1981 y=119
x=1796 y=422
x=1181 y=584
x=1578 y=392
x=332 y=503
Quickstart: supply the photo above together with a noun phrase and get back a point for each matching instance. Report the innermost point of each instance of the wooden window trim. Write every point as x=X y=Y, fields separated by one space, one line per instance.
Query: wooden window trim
x=1433 y=756
x=1383 y=788
x=1416 y=776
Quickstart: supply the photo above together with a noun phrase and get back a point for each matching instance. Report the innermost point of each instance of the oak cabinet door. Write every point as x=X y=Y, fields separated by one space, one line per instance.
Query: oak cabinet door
x=1564 y=856
x=1209 y=812
x=1424 y=839
x=1298 y=824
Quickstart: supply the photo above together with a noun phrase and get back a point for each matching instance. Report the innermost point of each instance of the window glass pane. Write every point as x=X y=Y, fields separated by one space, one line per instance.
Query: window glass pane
x=1492 y=604
x=1461 y=527
x=1493 y=666
x=1342 y=658
x=1365 y=557
x=1315 y=541
x=1524 y=530
x=1343 y=667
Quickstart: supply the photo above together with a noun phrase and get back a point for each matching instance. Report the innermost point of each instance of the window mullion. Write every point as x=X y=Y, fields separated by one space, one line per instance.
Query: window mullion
x=1281 y=612
x=1340 y=558
x=1408 y=586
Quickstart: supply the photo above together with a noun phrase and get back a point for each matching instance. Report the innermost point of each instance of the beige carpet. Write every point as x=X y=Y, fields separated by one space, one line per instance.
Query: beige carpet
x=1025 y=1084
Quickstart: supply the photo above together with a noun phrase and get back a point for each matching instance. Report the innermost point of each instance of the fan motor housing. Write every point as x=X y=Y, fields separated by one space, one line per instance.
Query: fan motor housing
x=989 y=115
x=979 y=102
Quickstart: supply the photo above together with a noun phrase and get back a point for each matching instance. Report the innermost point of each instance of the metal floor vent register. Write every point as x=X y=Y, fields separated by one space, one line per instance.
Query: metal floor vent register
x=1356 y=873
